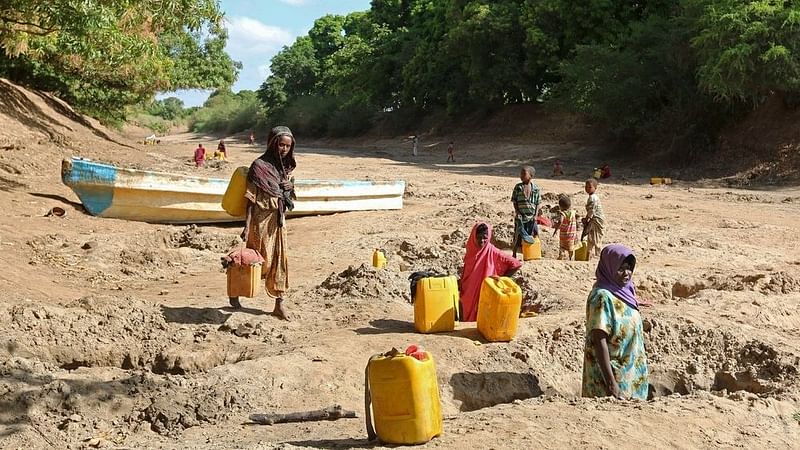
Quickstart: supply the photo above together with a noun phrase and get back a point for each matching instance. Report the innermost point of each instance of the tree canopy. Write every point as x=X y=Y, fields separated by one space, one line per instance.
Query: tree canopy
x=103 y=55
x=636 y=66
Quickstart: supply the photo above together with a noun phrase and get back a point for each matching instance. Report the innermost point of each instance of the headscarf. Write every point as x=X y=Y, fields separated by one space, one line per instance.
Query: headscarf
x=611 y=258
x=479 y=263
x=270 y=169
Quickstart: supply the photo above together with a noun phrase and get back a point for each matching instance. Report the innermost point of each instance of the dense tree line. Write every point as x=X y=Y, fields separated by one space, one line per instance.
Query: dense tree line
x=640 y=67
x=643 y=68
x=103 y=56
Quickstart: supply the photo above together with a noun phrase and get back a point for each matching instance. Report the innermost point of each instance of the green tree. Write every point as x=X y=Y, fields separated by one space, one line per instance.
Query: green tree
x=327 y=35
x=171 y=108
x=104 y=55
x=746 y=50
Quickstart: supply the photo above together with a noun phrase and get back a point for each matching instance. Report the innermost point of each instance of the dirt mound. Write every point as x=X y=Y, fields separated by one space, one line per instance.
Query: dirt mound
x=456 y=237
x=779 y=282
x=365 y=282
x=176 y=406
x=197 y=238
x=108 y=406
x=105 y=331
x=503 y=236
x=684 y=357
x=444 y=258
x=149 y=256
x=654 y=287
x=483 y=212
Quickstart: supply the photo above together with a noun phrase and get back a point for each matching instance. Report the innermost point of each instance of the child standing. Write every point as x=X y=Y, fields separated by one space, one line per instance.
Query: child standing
x=567 y=227
x=223 y=152
x=199 y=156
x=526 y=199
x=451 y=149
x=594 y=220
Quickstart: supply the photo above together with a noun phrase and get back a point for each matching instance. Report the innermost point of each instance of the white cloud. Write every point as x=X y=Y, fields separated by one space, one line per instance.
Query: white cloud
x=254 y=43
x=248 y=36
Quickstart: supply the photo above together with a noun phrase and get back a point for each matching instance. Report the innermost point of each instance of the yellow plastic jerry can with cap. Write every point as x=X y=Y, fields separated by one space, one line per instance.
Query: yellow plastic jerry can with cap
x=533 y=251
x=404 y=394
x=582 y=251
x=436 y=304
x=498 y=309
x=233 y=201
x=378 y=259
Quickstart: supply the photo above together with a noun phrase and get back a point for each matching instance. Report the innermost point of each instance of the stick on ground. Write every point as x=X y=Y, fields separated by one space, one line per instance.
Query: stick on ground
x=331 y=413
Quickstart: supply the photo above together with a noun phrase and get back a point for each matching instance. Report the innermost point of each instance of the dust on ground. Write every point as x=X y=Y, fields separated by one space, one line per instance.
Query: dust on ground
x=118 y=334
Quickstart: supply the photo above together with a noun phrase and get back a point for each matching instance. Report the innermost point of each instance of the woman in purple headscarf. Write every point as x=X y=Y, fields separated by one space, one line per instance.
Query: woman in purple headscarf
x=614 y=361
x=270 y=193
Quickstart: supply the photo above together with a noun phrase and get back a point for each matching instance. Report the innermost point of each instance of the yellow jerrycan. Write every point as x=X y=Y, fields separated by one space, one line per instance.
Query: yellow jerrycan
x=244 y=281
x=233 y=201
x=436 y=304
x=582 y=251
x=403 y=393
x=498 y=309
x=378 y=259
x=533 y=251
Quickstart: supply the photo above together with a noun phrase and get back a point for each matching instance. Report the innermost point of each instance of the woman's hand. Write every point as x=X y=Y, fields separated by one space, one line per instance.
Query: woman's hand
x=600 y=345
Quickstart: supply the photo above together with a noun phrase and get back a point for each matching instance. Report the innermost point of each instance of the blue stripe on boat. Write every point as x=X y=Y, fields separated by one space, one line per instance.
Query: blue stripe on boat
x=92 y=182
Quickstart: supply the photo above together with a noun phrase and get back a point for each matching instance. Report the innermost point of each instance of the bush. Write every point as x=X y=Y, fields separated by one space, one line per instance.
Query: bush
x=309 y=115
x=226 y=112
x=351 y=120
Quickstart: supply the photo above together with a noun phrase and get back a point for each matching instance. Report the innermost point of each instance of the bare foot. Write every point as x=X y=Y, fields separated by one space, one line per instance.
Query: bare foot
x=279 y=310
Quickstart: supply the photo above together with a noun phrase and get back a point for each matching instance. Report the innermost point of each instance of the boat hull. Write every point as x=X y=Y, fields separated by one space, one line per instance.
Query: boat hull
x=157 y=197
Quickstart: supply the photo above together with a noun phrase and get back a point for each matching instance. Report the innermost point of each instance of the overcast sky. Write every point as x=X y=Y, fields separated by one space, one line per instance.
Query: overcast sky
x=257 y=29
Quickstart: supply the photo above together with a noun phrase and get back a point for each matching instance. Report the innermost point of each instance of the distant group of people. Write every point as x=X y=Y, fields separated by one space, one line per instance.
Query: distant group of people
x=526 y=199
x=451 y=148
x=220 y=154
x=200 y=156
x=598 y=173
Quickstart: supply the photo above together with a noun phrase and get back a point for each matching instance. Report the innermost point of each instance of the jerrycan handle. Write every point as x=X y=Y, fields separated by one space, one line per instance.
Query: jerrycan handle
x=371 y=435
x=504 y=285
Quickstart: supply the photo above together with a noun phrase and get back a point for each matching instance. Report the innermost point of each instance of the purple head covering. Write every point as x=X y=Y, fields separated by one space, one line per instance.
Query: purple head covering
x=611 y=258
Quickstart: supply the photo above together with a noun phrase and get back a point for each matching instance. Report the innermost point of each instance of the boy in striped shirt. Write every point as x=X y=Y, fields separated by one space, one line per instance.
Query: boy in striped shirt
x=526 y=198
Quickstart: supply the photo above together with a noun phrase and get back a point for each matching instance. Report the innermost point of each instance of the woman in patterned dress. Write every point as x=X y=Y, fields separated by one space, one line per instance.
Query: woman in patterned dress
x=270 y=194
x=614 y=362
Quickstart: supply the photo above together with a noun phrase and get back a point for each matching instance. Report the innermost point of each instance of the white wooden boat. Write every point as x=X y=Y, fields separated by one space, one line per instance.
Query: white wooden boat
x=148 y=196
